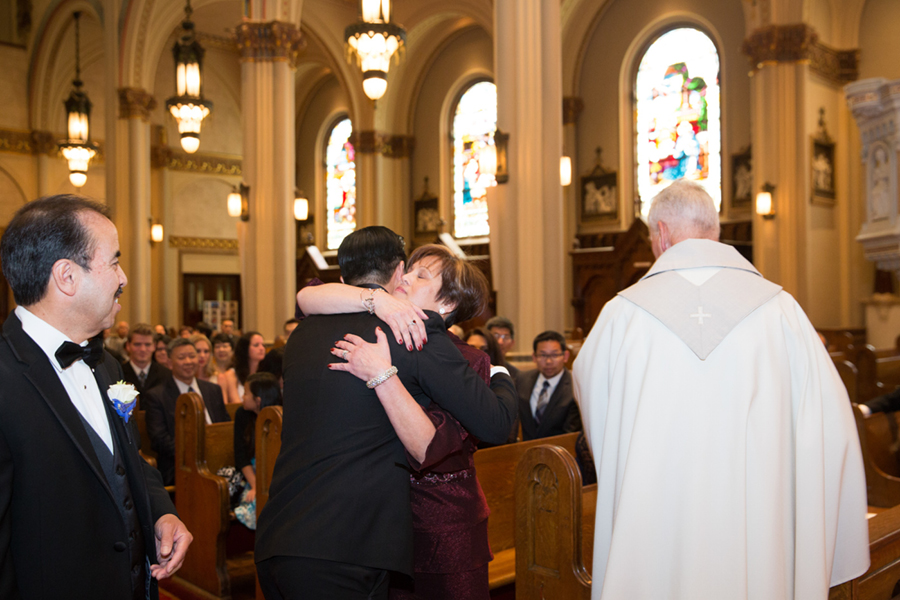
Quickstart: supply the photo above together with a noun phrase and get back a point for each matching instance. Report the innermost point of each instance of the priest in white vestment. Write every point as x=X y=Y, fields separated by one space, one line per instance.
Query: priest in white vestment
x=728 y=463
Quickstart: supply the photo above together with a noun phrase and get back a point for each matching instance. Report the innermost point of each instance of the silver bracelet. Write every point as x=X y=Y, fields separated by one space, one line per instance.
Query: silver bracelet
x=376 y=381
x=369 y=303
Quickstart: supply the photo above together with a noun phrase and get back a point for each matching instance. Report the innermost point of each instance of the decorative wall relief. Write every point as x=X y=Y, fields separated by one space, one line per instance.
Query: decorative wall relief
x=599 y=194
x=742 y=179
x=427 y=214
x=822 y=165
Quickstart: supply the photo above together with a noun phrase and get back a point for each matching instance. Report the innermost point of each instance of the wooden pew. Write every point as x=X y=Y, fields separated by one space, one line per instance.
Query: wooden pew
x=878 y=440
x=850 y=378
x=496 y=469
x=268 y=445
x=203 y=504
x=554 y=523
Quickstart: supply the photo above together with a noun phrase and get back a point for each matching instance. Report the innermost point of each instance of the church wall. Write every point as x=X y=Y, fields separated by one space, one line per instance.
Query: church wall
x=14 y=88
x=879 y=45
x=465 y=59
x=606 y=50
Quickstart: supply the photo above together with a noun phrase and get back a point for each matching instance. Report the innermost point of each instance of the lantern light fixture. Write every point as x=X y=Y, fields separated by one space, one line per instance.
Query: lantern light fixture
x=78 y=149
x=301 y=207
x=239 y=202
x=156 y=232
x=565 y=171
x=765 y=204
x=375 y=41
x=188 y=105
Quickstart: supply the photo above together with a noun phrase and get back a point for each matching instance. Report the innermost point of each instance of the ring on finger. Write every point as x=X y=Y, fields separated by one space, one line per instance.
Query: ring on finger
x=412 y=323
x=344 y=355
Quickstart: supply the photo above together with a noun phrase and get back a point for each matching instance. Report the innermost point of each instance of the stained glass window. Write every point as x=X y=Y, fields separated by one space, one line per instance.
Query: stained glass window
x=474 y=124
x=678 y=126
x=340 y=184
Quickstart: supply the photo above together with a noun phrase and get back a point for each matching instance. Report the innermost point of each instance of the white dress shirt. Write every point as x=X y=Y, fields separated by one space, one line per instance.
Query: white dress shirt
x=78 y=378
x=183 y=389
x=536 y=391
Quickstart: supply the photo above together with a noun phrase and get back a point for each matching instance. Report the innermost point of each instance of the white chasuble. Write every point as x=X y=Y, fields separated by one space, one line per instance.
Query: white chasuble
x=728 y=462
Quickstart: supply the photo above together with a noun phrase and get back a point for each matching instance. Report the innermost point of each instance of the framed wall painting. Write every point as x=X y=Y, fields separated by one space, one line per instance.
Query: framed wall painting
x=742 y=179
x=599 y=197
x=822 y=165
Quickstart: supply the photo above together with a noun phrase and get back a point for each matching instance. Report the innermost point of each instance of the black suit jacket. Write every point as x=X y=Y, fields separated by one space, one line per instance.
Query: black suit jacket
x=156 y=375
x=562 y=414
x=159 y=404
x=59 y=522
x=340 y=490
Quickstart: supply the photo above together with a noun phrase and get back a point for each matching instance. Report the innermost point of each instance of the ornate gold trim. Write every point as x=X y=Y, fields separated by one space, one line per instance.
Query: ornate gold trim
x=166 y=157
x=396 y=146
x=364 y=142
x=220 y=42
x=19 y=142
x=38 y=142
x=135 y=103
x=572 y=108
x=195 y=243
x=269 y=42
x=800 y=42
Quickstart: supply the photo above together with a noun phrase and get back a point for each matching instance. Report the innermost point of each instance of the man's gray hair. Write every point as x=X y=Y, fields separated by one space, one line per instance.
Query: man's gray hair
x=688 y=211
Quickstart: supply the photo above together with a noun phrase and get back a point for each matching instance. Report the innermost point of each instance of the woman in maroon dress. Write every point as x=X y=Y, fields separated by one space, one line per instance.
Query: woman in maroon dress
x=449 y=508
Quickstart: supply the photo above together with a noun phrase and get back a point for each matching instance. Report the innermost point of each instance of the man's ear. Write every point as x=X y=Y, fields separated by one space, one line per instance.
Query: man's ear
x=397 y=277
x=64 y=276
x=665 y=241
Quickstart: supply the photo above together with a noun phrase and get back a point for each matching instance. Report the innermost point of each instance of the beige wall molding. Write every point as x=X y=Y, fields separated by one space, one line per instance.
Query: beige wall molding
x=800 y=42
x=164 y=157
x=220 y=42
x=572 y=107
x=386 y=144
x=269 y=42
x=135 y=103
x=195 y=243
x=38 y=142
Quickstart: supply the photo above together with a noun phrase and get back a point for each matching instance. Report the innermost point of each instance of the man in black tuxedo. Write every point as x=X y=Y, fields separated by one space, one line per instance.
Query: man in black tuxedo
x=338 y=517
x=81 y=514
x=546 y=403
x=159 y=403
x=140 y=370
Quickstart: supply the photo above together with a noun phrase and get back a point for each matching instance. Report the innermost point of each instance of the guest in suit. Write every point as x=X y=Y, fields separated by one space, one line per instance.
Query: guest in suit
x=546 y=403
x=81 y=514
x=505 y=333
x=338 y=518
x=140 y=370
x=159 y=403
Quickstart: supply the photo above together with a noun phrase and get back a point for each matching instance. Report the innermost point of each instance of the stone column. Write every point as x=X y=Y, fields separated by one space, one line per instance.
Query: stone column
x=135 y=106
x=267 y=240
x=44 y=145
x=526 y=214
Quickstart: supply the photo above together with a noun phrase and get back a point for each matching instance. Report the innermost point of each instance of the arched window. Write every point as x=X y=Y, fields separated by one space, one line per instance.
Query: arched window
x=678 y=118
x=474 y=123
x=340 y=184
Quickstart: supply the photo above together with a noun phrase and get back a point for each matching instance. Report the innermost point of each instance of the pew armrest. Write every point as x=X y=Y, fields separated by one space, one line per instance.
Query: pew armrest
x=502 y=570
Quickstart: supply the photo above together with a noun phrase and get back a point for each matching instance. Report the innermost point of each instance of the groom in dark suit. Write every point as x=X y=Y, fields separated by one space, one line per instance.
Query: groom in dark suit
x=338 y=518
x=81 y=514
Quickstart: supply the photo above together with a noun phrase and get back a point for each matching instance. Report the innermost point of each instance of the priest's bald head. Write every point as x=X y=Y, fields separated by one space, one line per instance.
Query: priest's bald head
x=682 y=211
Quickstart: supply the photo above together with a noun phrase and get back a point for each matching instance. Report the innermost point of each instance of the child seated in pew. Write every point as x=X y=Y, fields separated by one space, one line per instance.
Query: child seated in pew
x=260 y=391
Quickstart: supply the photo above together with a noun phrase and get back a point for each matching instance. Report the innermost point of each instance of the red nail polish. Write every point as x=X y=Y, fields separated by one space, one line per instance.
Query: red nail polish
x=409 y=347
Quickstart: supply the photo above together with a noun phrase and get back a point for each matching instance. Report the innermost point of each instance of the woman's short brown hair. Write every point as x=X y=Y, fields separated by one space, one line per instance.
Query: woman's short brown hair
x=462 y=283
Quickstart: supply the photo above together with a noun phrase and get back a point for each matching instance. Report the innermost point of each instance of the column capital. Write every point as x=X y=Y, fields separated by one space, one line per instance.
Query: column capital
x=572 y=108
x=135 y=103
x=269 y=42
x=799 y=42
x=364 y=142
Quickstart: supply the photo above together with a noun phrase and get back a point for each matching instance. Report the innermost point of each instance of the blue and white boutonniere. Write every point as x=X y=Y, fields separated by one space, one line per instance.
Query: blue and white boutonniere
x=124 y=398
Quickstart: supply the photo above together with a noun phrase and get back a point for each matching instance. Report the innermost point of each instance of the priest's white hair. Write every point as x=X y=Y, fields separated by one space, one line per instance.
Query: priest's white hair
x=688 y=211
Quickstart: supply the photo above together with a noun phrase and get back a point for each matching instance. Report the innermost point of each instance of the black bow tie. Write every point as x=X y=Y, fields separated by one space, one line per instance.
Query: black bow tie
x=91 y=354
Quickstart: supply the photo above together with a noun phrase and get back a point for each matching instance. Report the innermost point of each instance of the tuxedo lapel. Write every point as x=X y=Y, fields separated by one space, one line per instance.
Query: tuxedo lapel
x=44 y=378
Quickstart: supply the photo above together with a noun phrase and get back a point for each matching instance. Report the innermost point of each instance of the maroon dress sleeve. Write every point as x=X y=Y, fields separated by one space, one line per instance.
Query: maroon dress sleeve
x=298 y=314
x=450 y=449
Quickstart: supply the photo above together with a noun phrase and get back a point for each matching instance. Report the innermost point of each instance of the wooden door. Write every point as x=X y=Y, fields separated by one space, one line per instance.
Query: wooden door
x=198 y=288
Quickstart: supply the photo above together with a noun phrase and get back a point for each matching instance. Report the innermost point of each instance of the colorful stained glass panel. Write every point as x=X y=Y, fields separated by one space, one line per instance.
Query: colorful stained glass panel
x=678 y=116
x=473 y=134
x=340 y=184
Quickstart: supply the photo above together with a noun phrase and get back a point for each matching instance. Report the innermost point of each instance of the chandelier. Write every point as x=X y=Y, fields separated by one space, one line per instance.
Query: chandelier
x=77 y=149
x=375 y=40
x=188 y=106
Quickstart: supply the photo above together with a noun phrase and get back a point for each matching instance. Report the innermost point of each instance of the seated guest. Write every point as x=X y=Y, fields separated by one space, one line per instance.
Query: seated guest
x=140 y=370
x=289 y=326
x=159 y=403
x=546 y=403
x=186 y=331
x=204 y=328
x=886 y=403
x=261 y=390
x=160 y=329
x=223 y=352
x=484 y=341
x=206 y=367
x=227 y=328
x=161 y=354
x=248 y=352
x=272 y=364
x=503 y=331
x=115 y=342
